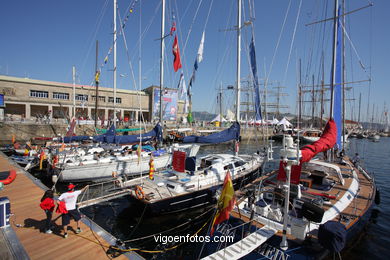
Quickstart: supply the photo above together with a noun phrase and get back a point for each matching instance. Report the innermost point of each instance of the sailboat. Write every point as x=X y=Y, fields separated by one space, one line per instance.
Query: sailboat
x=312 y=205
x=192 y=183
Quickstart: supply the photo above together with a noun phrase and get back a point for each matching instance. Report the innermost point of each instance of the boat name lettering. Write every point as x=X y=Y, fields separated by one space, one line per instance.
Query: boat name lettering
x=273 y=253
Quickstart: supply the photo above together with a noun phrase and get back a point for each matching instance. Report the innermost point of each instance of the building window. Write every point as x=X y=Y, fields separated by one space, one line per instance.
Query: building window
x=58 y=95
x=81 y=97
x=39 y=94
x=118 y=100
x=101 y=98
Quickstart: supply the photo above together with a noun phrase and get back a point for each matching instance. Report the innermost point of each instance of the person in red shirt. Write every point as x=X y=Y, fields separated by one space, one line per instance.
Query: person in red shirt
x=47 y=204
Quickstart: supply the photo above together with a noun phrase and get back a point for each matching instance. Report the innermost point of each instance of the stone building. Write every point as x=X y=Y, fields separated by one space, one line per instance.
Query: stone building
x=30 y=98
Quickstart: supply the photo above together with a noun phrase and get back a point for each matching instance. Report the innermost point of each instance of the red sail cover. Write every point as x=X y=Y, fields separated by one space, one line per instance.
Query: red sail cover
x=326 y=142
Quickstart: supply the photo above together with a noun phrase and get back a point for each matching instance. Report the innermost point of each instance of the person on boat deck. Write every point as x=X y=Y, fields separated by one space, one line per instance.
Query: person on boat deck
x=356 y=159
x=70 y=199
x=47 y=204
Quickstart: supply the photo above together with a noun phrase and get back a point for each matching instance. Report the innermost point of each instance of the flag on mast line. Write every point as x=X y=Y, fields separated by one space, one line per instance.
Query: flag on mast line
x=176 y=54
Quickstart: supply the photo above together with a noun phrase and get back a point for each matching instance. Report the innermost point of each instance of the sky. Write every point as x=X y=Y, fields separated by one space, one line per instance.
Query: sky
x=43 y=39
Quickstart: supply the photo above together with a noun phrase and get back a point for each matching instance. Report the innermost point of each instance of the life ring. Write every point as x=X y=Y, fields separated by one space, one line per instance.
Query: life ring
x=7 y=177
x=139 y=193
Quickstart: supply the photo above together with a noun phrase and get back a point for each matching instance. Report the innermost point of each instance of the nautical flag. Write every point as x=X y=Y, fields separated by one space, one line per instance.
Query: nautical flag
x=176 y=53
x=186 y=101
x=54 y=162
x=151 y=168
x=97 y=76
x=199 y=58
x=62 y=148
x=252 y=52
x=189 y=117
x=173 y=28
x=225 y=203
x=182 y=86
x=180 y=80
x=41 y=158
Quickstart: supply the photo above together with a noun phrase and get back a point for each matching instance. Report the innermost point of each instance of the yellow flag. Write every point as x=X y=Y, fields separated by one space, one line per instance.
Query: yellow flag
x=97 y=75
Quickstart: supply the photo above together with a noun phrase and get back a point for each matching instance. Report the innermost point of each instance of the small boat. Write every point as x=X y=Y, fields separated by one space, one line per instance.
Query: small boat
x=374 y=137
x=98 y=166
x=310 y=135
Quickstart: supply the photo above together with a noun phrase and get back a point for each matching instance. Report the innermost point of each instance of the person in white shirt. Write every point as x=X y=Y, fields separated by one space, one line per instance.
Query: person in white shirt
x=70 y=199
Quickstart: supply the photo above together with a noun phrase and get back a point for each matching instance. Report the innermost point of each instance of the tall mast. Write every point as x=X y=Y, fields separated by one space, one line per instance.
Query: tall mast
x=312 y=102
x=96 y=84
x=74 y=91
x=322 y=90
x=115 y=8
x=220 y=106
x=238 y=61
x=344 y=79
x=162 y=59
x=336 y=3
x=360 y=103
x=300 y=93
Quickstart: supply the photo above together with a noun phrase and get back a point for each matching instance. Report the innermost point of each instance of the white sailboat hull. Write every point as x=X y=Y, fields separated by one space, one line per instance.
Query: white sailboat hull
x=97 y=170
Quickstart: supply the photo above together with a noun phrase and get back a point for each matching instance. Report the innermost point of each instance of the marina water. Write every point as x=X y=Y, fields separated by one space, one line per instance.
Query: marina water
x=127 y=223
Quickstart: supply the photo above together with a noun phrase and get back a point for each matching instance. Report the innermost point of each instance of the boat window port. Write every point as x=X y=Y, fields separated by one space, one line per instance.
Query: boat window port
x=170 y=186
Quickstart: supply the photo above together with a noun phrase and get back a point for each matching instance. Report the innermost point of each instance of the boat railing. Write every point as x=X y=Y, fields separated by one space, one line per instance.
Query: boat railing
x=102 y=191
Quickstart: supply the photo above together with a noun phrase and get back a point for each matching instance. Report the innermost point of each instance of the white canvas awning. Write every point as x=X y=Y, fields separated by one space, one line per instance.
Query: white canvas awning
x=217 y=119
x=284 y=122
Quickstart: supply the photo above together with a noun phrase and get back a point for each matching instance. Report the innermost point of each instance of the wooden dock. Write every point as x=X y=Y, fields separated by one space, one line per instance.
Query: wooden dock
x=24 y=194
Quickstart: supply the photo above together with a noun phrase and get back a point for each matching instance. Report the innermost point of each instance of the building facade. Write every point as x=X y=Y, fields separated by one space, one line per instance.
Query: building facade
x=29 y=98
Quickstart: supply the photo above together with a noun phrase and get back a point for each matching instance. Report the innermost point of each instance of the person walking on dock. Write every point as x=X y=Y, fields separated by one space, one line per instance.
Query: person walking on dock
x=47 y=204
x=70 y=199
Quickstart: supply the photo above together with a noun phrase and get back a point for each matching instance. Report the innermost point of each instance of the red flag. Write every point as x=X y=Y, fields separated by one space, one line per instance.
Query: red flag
x=225 y=203
x=173 y=28
x=176 y=53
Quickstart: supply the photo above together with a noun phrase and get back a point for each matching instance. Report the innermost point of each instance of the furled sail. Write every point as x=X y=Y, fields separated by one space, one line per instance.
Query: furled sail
x=232 y=133
x=326 y=142
x=155 y=133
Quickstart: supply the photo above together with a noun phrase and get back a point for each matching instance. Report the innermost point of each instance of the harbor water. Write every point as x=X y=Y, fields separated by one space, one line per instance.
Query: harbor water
x=128 y=224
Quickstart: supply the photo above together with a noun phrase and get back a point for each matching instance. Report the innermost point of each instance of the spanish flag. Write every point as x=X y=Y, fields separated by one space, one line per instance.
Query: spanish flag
x=225 y=203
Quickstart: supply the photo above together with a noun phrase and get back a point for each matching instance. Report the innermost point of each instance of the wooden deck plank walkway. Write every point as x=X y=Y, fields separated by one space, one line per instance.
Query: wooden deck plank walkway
x=24 y=196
